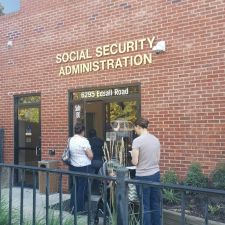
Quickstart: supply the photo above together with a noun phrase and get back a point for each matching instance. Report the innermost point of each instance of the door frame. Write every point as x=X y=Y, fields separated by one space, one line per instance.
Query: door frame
x=17 y=105
x=71 y=101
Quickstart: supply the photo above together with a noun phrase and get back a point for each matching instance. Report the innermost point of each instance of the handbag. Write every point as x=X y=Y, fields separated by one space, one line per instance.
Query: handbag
x=66 y=157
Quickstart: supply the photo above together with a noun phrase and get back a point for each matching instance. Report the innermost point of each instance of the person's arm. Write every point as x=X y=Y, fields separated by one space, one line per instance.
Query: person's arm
x=135 y=156
x=101 y=149
x=88 y=150
x=89 y=153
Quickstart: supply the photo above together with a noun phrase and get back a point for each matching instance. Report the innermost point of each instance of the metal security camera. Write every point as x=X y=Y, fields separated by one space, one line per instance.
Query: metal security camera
x=160 y=47
x=9 y=44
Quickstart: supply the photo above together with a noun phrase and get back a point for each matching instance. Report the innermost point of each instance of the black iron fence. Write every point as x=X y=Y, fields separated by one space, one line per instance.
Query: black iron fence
x=120 y=211
x=1 y=144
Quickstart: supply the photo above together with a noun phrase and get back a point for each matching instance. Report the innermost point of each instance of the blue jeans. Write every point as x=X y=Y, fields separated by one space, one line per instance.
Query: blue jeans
x=151 y=200
x=81 y=188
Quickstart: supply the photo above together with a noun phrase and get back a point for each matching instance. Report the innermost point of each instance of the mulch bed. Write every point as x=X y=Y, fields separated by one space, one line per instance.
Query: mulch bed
x=195 y=206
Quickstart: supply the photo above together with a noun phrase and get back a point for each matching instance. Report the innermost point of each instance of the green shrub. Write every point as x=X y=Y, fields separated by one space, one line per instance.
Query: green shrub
x=214 y=209
x=53 y=217
x=218 y=176
x=195 y=176
x=170 y=196
x=54 y=220
x=170 y=177
x=68 y=221
x=3 y=213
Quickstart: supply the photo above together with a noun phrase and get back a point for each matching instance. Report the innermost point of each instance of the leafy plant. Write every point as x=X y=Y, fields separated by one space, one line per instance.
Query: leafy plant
x=214 y=209
x=53 y=219
x=170 y=195
x=3 y=213
x=195 y=176
x=170 y=177
x=68 y=221
x=218 y=176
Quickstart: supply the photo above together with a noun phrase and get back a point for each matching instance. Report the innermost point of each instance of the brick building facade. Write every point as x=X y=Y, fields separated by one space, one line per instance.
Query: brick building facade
x=182 y=91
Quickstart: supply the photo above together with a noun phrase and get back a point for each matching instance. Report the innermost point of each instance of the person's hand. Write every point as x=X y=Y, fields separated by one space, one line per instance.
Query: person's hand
x=112 y=174
x=130 y=153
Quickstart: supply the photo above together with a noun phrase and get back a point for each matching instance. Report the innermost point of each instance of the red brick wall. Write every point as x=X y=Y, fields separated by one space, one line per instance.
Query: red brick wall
x=182 y=91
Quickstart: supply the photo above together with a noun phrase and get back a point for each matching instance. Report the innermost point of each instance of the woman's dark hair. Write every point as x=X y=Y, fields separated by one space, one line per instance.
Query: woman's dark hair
x=141 y=123
x=79 y=128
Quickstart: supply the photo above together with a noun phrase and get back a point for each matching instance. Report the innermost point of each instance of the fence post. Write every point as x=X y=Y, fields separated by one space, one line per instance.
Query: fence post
x=1 y=144
x=122 y=197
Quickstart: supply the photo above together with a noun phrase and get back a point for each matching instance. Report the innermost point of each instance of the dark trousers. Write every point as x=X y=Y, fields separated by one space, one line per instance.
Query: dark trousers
x=151 y=200
x=96 y=164
x=81 y=188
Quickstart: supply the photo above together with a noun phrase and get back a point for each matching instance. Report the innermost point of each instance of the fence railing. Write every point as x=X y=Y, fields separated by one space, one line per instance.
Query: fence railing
x=118 y=211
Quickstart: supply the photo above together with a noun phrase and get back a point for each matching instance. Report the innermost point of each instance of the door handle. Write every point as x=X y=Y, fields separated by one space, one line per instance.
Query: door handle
x=37 y=149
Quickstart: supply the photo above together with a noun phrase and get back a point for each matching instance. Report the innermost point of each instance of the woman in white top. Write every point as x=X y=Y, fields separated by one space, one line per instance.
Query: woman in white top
x=81 y=156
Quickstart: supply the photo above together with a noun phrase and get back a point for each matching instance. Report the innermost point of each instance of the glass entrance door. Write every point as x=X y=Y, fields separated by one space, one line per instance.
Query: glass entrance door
x=27 y=134
x=95 y=117
x=120 y=118
x=91 y=114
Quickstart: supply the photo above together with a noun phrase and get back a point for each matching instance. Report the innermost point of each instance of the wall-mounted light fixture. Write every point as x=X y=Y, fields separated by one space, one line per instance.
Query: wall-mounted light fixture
x=10 y=44
x=160 y=47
